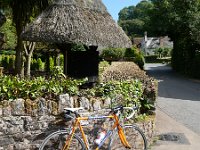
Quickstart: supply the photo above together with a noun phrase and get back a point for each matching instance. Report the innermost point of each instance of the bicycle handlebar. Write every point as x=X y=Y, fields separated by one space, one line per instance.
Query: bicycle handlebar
x=133 y=111
x=115 y=110
x=122 y=108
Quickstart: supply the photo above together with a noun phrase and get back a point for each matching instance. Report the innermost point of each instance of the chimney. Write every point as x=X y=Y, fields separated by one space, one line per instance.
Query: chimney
x=161 y=40
x=145 y=36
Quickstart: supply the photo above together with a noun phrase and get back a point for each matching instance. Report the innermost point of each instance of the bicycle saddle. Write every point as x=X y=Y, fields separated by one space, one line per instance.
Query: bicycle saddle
x=74 y=109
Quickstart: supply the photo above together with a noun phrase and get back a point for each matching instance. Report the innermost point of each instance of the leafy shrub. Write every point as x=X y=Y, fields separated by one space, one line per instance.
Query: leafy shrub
x=122 y=93
x=61 y=60
x=123 y=71
x=57 y=72
x=34 y=65
x=78 y=47
x=163 y=52
x=51 y=63
x=11 y=62
x=195 y=71
x=139 y=60
x=111 y=54
x=133 y=54
x=40 y=65
x=128 y=54
x=12 y=87
x=151 y=59
x=102 y=66
x=5 y=61
x=8 y=52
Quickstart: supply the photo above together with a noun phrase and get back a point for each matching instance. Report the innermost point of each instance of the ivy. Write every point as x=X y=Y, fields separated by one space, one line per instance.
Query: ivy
x=12 y=87
x=121 y=92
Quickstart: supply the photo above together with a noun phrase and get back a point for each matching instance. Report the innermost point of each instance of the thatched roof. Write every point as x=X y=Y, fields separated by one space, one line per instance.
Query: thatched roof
x=77 y=21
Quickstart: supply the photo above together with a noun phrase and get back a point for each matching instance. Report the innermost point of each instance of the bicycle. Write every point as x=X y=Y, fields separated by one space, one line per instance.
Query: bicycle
x=68 y=139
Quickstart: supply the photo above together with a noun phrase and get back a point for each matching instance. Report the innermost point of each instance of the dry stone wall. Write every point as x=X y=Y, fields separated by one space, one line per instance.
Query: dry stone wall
x=21 y=121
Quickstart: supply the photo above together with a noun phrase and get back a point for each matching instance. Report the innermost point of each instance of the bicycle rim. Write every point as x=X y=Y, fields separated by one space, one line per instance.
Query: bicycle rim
x=134 y=136
x=56 y=141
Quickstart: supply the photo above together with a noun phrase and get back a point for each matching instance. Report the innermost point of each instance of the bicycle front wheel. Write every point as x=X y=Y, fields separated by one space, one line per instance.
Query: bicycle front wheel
x=134 y=136
x=56 y=141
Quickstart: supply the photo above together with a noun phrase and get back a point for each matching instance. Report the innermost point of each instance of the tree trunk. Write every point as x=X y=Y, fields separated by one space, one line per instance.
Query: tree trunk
x=28 y=47
x=19 y=51
x=19 y=58
x=28 y=65
x=58 y=60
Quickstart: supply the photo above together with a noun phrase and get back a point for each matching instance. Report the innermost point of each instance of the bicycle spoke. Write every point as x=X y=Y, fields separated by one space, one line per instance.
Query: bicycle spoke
x=57 y=142
x=134 y=137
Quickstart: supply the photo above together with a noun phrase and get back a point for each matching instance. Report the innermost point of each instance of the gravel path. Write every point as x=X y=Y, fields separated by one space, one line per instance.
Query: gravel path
x=179 y=97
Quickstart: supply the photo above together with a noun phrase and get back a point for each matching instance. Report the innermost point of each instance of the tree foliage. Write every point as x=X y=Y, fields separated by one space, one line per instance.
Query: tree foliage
x=134 y=19
x=22 y=13
x=10 y=34
x=179 y=20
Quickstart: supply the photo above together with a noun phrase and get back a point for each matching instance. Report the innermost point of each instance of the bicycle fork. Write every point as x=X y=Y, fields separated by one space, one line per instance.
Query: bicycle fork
x=70 y=137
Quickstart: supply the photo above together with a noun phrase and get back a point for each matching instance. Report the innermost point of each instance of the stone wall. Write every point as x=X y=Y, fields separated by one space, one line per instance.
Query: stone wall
x=21 y=121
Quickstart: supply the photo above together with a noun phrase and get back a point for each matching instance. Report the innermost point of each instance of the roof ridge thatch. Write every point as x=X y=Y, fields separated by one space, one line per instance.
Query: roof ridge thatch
x=73 y=24
x=96 y=5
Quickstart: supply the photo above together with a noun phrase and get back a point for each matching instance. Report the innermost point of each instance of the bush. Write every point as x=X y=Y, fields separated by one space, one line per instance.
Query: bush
x=51 y=63
x=112 y=54
x=163 y=52
x=40 y=65
x=61 y=60
x=57 y=72
x=12 y=87
x=123 y=71
x=5 y=61
x=195 y=71
x=126 y=93
x=102 y=66
x=139 y=60
x=8 y=52
x=34 y=65
x=151 y=59
x=78 y=47
x=128 y=54
x=133 y=54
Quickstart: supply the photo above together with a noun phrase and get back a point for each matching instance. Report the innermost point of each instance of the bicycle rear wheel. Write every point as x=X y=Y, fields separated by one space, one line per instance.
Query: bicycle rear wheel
x=134 y=136
x=56 y=141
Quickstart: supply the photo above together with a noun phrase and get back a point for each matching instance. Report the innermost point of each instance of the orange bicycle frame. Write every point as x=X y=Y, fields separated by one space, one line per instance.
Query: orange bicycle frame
x=78 y=123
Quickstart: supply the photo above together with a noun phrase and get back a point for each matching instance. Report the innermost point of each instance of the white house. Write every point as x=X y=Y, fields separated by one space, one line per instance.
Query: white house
x=150 y=44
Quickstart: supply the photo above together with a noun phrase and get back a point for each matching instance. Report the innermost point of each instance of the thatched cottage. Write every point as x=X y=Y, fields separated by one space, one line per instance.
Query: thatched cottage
x=77 y=21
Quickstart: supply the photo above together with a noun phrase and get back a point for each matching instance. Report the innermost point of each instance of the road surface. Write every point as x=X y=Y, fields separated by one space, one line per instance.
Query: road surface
x=179 y=97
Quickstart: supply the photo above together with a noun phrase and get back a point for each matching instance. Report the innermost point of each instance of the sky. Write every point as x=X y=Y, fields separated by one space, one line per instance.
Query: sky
x=114 y=6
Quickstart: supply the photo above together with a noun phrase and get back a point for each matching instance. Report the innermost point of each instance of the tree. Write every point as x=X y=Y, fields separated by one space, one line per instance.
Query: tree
x=180 y=20
x=22 y=12
x=2 y=21
x=134 y=19
x=28 y=47
x=10 y=34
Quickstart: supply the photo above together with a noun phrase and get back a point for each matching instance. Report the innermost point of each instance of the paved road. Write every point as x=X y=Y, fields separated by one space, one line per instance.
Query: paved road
x=178 y=97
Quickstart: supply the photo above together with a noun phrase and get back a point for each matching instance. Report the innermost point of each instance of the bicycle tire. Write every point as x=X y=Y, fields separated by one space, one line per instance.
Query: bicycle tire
x=56 y=140
x=134 y=136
